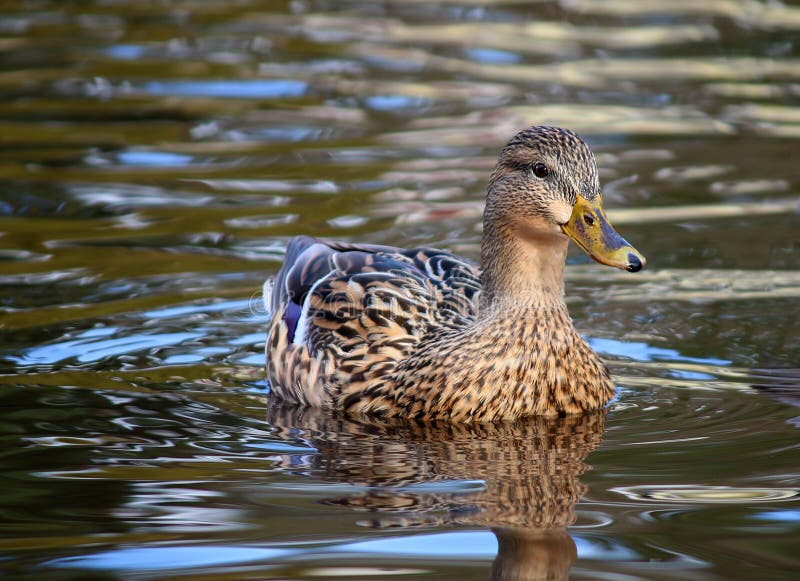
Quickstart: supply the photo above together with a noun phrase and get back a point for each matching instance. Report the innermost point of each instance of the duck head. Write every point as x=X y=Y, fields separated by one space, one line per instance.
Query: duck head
x=545 y=188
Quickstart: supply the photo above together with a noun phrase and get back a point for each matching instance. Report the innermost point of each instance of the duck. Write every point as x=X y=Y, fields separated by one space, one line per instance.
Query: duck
x=423 y=334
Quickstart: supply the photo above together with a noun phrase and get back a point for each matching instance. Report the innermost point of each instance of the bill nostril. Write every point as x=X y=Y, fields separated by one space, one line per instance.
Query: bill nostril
x=588 y=219
x=634 y=264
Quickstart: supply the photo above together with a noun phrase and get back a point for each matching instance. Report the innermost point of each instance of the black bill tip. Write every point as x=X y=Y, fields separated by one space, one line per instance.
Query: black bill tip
x=634 y=264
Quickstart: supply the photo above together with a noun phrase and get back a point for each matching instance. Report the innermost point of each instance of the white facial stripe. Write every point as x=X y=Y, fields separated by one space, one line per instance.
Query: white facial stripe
x=561 y=211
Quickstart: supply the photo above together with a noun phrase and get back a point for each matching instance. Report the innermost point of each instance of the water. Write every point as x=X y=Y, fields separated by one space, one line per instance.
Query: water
x=156 y=157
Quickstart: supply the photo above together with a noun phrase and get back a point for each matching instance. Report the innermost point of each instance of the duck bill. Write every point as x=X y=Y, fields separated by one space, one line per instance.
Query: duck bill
x=590 y=229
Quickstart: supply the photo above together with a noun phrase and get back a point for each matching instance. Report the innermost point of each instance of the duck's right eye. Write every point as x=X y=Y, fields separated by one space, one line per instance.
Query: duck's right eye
x=540 y=170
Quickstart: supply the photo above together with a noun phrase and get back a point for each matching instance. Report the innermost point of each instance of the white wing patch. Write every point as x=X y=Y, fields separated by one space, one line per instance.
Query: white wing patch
x=266 y=294
x=303 y=321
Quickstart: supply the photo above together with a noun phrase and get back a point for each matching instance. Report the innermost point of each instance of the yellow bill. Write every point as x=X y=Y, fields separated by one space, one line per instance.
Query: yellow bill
x=589 y=227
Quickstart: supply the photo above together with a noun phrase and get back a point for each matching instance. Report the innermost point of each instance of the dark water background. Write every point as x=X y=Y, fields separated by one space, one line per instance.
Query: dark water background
x=156 y=156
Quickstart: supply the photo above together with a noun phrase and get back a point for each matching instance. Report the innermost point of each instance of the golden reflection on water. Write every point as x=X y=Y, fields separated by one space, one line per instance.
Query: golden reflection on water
x=417 y=475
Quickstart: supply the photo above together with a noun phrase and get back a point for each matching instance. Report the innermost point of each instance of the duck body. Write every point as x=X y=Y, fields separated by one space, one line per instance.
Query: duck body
x=424 y=334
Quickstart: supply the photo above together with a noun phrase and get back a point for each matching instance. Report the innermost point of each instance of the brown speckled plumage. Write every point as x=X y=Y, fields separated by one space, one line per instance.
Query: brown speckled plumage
x=424 y=334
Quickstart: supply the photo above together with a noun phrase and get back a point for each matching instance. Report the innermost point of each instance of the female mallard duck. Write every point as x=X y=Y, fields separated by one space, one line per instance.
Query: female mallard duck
x=424 y=334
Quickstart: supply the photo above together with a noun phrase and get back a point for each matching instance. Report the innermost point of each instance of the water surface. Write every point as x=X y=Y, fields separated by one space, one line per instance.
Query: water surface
x=155 y=158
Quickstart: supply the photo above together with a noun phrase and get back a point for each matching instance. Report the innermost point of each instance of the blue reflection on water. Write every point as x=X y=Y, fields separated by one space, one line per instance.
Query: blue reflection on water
x=249 y=339
x=102 y=342
x=254 y=359
x=641 y=351
x=681 y=374
x=251 y=89
x=491 y=55
x=191 y=309
x=282 y=448
x=790 y=515
x=154 y=558
x=477 y=544
x=392 y=102
x=125 y=51
x=91 y=346
x=153 y=158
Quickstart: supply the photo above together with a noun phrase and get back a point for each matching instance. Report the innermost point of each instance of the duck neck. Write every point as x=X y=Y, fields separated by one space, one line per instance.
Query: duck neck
x=522 y=271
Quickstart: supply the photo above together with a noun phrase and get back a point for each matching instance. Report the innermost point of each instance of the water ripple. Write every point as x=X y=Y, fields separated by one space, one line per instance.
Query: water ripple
x=689 y=494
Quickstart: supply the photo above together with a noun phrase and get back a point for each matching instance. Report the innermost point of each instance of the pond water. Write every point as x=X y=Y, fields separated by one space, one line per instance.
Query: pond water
x=156 y=157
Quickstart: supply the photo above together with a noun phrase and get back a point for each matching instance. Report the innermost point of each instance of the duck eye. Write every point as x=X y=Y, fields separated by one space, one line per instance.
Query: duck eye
x=540 y=170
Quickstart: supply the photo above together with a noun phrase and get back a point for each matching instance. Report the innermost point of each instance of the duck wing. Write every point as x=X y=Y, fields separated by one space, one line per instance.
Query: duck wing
x=313 y=281
x=345 y=314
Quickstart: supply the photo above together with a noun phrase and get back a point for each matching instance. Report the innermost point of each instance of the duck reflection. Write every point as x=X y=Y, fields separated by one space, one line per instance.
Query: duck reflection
x=519 y=479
